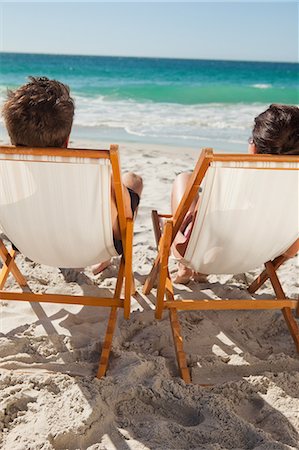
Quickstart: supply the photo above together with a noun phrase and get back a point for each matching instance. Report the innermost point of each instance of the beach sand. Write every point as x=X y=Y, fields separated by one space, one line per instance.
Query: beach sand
x=49 y=355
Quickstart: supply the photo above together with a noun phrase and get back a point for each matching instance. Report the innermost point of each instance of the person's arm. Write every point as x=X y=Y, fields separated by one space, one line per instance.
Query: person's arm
x=127 y=206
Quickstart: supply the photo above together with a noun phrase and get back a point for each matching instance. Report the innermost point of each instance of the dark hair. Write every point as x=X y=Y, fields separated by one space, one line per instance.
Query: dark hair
x=276 y=130
x=39 y=114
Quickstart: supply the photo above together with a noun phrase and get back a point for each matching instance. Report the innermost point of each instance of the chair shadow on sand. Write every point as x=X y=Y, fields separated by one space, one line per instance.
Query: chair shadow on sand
x=253 y=407
x=247 y=409
x=69 y=321
x=235 y=331
x=230 y=351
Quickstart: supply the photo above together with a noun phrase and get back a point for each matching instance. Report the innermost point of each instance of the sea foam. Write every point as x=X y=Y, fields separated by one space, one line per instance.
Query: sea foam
x=161 y=121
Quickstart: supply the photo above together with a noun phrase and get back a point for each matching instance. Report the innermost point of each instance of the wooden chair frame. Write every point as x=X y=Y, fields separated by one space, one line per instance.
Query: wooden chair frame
x=125 y=274
x=164 y=237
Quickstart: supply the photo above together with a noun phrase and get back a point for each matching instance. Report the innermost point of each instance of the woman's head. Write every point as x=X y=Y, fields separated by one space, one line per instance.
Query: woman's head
x=276 y=130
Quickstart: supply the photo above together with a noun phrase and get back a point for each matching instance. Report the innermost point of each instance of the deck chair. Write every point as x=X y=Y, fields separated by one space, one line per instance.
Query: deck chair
x=248 y=217
x=55 y=207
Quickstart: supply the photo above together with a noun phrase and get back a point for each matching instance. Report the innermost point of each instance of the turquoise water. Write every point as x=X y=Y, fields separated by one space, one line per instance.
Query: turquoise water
x=180 y=102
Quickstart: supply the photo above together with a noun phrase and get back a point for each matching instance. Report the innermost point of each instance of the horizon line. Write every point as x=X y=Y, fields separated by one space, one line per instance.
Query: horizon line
x=148 y=57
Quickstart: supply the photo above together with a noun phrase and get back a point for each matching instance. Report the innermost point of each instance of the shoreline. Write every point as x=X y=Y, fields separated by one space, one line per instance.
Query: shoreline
x=96 y=142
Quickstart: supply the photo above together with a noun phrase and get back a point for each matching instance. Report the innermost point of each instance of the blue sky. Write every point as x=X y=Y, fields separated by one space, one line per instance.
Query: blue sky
x=260 y=31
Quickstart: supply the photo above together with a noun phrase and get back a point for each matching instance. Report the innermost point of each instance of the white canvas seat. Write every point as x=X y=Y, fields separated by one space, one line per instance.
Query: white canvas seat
x=248 y=216
x=55 y=207
x=237 y=228
x=56 y=210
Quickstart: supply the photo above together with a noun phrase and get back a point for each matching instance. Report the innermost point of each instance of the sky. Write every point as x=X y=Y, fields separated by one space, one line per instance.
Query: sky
x=238 y=30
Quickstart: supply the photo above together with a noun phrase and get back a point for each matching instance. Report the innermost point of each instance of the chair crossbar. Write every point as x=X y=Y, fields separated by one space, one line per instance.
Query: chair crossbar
x=236 y=304
x=60 y=298
x=55 y=152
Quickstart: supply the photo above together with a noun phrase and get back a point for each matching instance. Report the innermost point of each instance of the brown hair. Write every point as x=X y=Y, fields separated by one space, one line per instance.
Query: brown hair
x=276 y=130
x=39 y=114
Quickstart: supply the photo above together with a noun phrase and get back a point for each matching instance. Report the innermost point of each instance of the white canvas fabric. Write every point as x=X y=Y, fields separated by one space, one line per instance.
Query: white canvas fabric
x=56 y=210
x=248 y=215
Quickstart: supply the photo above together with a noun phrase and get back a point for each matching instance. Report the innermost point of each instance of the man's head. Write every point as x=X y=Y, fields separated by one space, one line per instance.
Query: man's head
x=39 y=114
x=276 y=130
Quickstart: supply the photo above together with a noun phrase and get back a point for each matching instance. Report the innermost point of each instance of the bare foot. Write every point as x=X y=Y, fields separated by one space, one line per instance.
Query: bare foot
x=98 y=268
x=183 y=275
x=200 y=277
x=71 y=275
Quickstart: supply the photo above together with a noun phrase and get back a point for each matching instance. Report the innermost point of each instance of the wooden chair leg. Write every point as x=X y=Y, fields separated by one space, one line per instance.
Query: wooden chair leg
x=158 y=235
x=150 y=281
x=107 y=343
x=178 y=344
x=169 y=288
x=5 y=270
x=120 y=279
x=263 y=277
x=164 y=274
x=292 y=325
x=133 y=285
x=289 y=253
x=287 y=313
x=9 y=265
x=156 y=226
x=128 y=268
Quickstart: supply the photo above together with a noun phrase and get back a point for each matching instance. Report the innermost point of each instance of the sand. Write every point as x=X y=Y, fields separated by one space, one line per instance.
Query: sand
x=49 y=355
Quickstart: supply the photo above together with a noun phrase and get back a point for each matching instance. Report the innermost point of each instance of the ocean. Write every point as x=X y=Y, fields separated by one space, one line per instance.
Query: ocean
x=182 y=103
